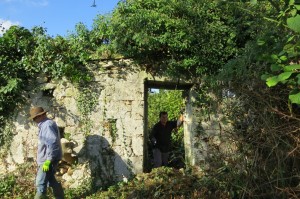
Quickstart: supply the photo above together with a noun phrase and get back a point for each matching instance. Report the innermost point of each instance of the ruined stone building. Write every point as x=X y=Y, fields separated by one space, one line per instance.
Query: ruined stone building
x=103 y=125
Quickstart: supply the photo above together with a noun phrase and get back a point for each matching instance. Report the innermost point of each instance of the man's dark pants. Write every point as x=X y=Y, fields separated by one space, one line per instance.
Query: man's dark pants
x=160 y=158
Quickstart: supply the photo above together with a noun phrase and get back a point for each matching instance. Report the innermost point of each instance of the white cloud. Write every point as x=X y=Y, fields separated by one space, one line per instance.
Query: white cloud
x=5 y=25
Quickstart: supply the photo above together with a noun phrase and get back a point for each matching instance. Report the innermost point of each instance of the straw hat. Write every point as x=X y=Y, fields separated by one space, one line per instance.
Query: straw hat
x=36 y=111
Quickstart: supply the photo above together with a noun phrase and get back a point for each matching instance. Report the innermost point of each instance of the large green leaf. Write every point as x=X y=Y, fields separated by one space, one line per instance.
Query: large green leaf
x=284 y=76
x=265 y=77
x=294 y=23
x=272 y=81
x=292 y=67
x=283 y=58
x=298 y=76
x=295 y=98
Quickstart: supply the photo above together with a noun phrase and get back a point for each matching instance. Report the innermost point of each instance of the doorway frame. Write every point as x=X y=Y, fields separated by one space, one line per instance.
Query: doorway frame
x=168 y=85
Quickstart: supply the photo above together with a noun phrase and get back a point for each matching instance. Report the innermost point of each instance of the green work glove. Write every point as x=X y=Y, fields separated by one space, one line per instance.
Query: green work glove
x=46 y=165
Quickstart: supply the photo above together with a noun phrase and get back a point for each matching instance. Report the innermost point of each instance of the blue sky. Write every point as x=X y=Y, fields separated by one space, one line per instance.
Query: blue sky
x=58 y=16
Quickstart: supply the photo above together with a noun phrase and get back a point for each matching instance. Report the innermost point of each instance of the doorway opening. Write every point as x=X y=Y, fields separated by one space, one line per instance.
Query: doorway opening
x=172 y=98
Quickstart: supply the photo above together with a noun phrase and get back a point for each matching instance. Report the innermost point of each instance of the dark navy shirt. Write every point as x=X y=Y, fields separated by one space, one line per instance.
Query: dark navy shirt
x=162 y=134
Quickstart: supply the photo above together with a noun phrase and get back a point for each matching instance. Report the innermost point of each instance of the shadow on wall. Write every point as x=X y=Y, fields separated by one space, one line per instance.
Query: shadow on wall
x=106 y=166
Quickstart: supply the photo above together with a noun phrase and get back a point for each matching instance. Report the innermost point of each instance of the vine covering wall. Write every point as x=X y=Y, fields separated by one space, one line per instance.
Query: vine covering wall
x=103 y=120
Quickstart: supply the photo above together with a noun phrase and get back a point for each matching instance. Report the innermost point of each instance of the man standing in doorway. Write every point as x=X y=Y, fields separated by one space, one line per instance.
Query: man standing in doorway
x=48 y=155
x=161 y=138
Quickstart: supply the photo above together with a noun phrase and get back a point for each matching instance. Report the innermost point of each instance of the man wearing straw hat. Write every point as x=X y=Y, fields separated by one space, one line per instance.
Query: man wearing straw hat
x=48 y=155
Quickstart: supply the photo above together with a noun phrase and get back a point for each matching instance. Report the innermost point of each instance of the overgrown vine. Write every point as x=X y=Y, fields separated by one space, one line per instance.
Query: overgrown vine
x=86 y=104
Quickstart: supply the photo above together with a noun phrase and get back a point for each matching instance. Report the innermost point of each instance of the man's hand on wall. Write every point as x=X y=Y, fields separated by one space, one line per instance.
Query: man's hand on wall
x=180 y=120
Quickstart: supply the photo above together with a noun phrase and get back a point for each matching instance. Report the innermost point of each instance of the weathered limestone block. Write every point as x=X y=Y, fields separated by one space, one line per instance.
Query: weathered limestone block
x=138 y=146
x=71 y=105
x=200 y=152
x=137 y=161
x=60 y=122
x=41 y=79
x=73 y=131
x=68 y=155
x=71 y=92
x=71 y=120
x=49 y=86
x=77 y=176
x=124 y=92
x=16 y=153
x=134 y=130
x=119 y=150
x=98 y=116
x=59 y=92
x=138 y=109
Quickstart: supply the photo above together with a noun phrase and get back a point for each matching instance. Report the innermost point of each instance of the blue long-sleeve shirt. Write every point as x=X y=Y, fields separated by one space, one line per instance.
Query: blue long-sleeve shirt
x=49 y=146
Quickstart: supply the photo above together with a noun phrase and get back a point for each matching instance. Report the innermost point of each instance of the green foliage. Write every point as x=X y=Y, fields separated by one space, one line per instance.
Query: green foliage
x=170 y=101
x=294 y=23
x=101 y=38
x=113 y=129
x=166 y=183
x=15 y=45
x=261 y=117
x=26 y=54
x=285 y=62
x=86 y=104
x=183 y=37
x=87 y=101
x=59 y=57
x=6 y=185
x=18 y=185
x=6 y=135
x=82 y=191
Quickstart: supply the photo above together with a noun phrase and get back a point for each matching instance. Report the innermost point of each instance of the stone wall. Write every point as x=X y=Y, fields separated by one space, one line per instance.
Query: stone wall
x=108 y=140
x=208 y=135
x=102 y=125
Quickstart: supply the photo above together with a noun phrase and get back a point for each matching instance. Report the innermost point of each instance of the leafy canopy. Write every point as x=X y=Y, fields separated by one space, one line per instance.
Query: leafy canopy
x=189 y=37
